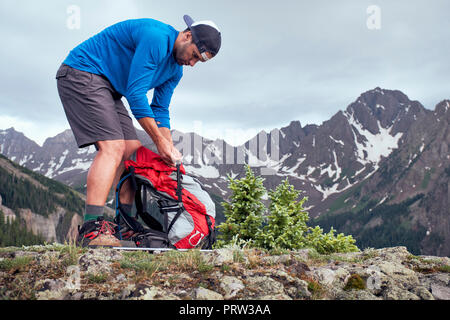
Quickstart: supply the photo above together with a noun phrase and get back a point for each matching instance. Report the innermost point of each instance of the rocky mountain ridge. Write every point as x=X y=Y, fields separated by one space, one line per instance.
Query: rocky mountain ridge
x=57 y=272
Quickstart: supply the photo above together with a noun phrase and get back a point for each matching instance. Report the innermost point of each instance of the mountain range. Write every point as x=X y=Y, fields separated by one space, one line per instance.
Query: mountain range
x=381 y=164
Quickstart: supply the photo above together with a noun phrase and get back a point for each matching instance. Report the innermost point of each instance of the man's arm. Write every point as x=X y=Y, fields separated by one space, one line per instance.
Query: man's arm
x=166 y=134
x=162 y=140
x=146 y=58
x=148 y=54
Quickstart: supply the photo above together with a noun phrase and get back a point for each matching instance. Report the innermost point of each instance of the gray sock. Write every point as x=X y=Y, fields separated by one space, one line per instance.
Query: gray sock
x=92 y=212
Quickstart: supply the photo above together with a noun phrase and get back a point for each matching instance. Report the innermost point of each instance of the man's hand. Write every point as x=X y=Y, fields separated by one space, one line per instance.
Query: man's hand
x=162 y=140
x=169 y=154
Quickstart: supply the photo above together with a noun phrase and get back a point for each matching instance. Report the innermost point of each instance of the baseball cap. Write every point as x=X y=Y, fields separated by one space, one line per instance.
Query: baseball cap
x=206 y=36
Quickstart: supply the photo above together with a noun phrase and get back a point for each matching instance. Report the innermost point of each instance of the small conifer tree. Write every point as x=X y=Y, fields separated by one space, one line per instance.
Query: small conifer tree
x=285 y=227
x=244 y=212
x=286 y=223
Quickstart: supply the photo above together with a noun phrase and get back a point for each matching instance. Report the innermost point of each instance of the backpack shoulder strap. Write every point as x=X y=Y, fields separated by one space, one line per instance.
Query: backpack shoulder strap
x=179 y=186
x=120 y=212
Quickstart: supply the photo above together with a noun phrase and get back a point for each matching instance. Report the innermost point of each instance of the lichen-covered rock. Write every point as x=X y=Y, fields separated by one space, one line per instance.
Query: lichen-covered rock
x=302 y=254
x=206 y=294
x=394 y=254
x=356 y=295
x=279 y=296
x=282 y=259
x=423 y=293
x=397 y=293
x=152 y=293
x=440 y=279
x=50 y=289
x=302 y=290
x=264 y=286
x=231 y=286
x=98 y=261
x=440 y=292
x=219 y=257
x=58 y=272
x=324 y=276
x=48 y=258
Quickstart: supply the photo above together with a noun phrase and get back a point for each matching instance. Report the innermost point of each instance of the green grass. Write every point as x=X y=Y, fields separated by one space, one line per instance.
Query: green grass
x=140 y=262
x=97 y=278
x=15 y=263
x=186 y=261
x=428 y=265
x=444 y=268
x=319 y=258
x=71 y=253
x=316 y=289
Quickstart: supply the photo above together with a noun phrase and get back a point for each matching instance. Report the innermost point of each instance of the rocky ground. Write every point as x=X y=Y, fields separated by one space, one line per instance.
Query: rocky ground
x=65 y=272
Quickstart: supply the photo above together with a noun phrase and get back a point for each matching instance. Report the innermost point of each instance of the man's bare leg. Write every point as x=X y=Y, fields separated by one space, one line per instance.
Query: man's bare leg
x=101 y=175
x=126 y=193
x=99 y=181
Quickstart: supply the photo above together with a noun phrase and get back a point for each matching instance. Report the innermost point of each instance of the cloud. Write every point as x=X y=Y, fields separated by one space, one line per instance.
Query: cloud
x=35 y=130
x=280 y=61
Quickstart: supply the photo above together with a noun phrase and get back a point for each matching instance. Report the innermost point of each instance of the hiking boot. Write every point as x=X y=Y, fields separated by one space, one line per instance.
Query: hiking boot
x=123 y=230
x=98 y=233
x=125 y=233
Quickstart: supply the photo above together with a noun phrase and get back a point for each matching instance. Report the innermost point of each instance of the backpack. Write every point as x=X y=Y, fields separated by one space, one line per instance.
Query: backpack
x=176 y=209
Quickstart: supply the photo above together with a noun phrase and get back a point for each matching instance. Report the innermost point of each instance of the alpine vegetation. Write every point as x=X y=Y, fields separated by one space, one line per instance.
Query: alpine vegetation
x=282 y=226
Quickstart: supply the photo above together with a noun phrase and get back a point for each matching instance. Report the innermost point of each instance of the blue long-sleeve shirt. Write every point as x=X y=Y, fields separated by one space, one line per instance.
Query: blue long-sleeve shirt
x=135 y=56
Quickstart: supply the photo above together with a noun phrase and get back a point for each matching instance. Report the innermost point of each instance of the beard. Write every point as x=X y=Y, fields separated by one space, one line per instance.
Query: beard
x=180 y=54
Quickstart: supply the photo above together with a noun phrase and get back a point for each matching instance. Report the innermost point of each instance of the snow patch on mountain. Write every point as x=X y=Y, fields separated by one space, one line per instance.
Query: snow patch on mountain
x=326 y=192
x=337 y=141
x=25 y=159
x=50 y=170
x=265 y=160
x=53 y=166
x=88 y=150
x=204 y=171
x=329 y=169
x=375 y=146
x=286 y=171
x=61 y=160
x=223 y=192
x=77 y=164
x=233 y=175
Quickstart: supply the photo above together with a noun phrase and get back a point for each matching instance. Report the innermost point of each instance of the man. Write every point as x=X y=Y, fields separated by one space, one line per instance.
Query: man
x=126 y=59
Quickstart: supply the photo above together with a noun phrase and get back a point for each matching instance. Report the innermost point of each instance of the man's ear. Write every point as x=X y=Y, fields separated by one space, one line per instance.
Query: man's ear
x=187 y=35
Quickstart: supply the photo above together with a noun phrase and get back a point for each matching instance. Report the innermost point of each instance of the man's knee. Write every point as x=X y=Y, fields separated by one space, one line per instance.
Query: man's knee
x=130 y=147
x=115 y=149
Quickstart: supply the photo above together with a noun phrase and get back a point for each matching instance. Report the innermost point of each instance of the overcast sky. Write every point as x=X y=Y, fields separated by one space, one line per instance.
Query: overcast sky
x=280 y=60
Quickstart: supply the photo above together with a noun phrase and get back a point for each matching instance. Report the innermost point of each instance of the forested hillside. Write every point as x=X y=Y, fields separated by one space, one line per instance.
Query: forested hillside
x=13 y=233
x=34 y=208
